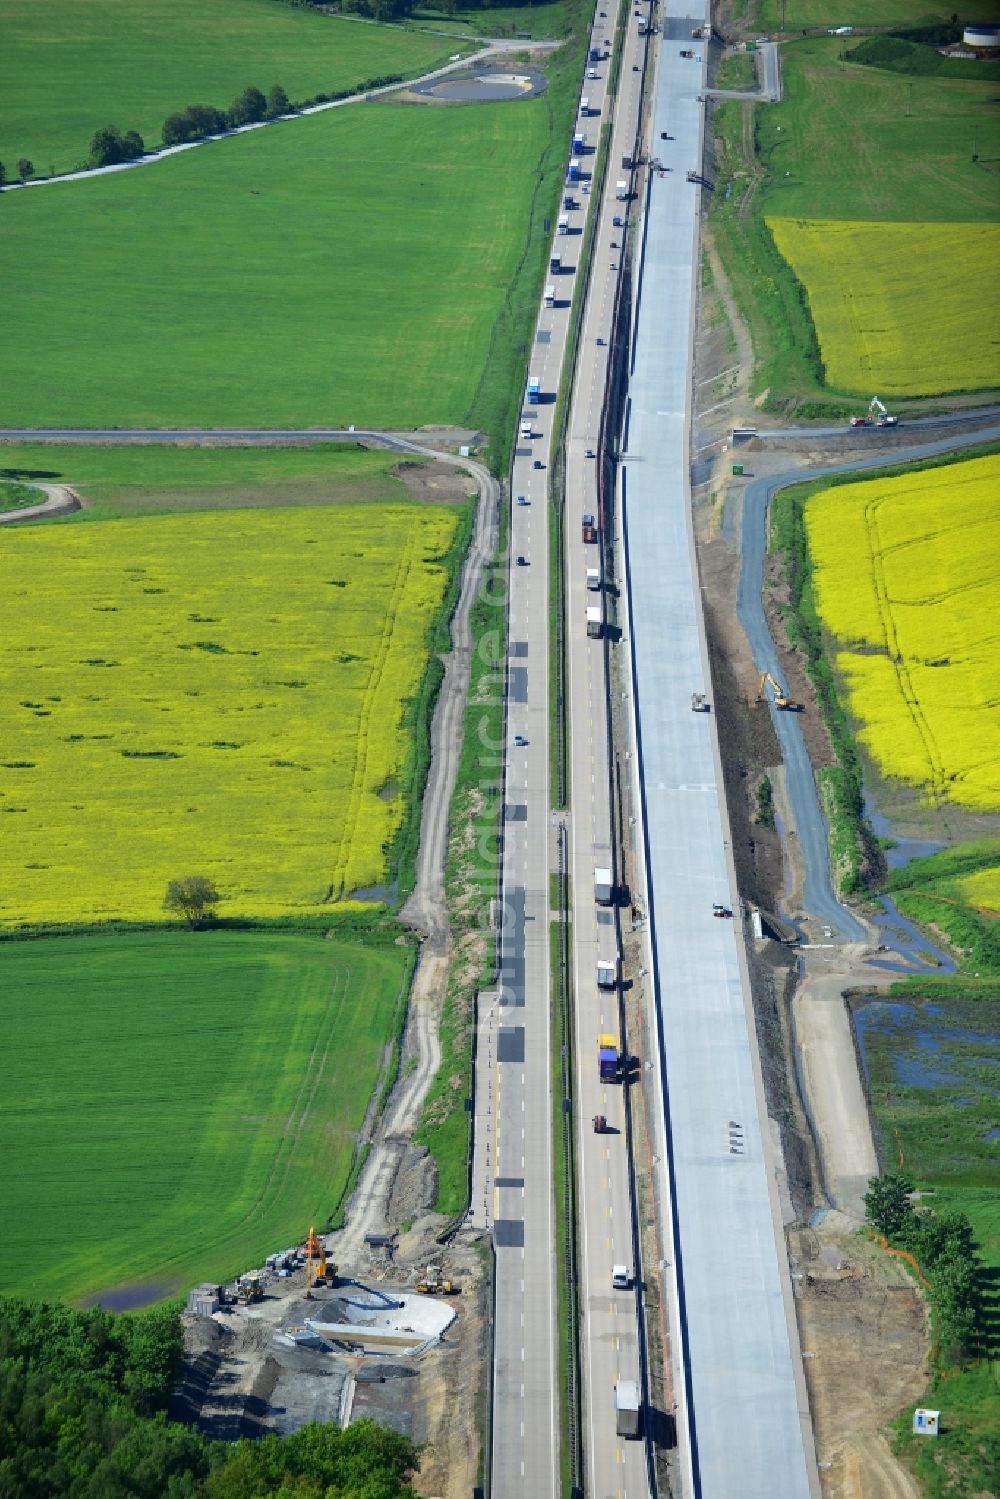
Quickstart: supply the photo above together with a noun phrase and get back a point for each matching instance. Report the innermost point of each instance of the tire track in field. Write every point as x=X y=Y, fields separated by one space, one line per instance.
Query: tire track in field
x=302 y=1106
x=183 y=1248
x=338 y=881
x=937 y=782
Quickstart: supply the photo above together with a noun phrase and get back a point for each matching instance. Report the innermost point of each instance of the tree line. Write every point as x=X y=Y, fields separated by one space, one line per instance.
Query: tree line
x=111 y=147
x=83 y=1397
x=944 y=1246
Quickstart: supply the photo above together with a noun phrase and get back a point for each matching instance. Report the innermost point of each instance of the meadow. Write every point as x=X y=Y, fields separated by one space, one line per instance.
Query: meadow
x=354 y=267
x=68 y=67
x=906 y=574
x=224 y=693
x=552 y=18
x=847 y=142
x=902 y=334
x=120 y=481
x=956 y=892
x=798 y=15
x=180 y=1105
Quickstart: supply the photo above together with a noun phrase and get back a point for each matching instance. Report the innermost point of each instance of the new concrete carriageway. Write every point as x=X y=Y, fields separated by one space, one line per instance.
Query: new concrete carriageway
x=743 y=1419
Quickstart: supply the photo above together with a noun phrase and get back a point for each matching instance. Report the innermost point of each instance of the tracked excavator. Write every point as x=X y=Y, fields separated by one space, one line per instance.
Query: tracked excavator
x=781 y=698
x=319 y=1270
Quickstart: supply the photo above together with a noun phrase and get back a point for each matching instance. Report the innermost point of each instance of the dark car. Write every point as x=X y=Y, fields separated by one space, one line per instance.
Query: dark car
x=522 y=561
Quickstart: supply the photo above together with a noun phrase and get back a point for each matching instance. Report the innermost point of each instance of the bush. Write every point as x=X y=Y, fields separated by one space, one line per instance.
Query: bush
x=277 y=102
x=195 y=123
x=109 y=147
x=247 y=108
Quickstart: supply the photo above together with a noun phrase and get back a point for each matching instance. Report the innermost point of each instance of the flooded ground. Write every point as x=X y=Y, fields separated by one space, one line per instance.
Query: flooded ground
x=932 y=1072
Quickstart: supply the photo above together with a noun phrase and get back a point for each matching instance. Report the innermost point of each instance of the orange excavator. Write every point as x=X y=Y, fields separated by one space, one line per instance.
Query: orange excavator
x=319 y=1270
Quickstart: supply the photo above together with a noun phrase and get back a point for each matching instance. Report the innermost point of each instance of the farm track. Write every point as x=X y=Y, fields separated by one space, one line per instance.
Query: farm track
x=61 y=500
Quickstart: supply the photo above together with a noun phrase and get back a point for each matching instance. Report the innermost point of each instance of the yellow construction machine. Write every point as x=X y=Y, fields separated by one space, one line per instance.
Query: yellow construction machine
x=781 y=699
x=432 y=1283
x=250 y=1290
x=319 y=1270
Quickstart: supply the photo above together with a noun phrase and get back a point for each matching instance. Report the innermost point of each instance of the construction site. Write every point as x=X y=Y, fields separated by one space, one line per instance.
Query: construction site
x=299 y=1339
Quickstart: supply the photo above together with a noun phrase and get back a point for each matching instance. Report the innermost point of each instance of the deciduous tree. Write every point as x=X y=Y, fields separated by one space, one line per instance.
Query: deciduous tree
x=887 y=1202
x=194 y=897
x=277 y=102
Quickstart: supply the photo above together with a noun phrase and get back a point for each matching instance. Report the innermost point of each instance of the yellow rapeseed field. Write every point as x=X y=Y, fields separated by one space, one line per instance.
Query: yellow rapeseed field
x=220 y=693
x=982 y=889
x=907 y=579
x=899 y=309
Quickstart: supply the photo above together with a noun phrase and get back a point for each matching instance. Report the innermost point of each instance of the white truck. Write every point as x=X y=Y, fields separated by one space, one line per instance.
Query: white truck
x=594 y=579
x=563 y=223
x=628 y=1411
x=595 y=624
x=550 y=296
x=621 y=191
x=602 y=887
x=585 y=106
x=606 y=973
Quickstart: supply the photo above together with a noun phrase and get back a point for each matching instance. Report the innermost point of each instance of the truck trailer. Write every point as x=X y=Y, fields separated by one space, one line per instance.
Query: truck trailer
x=621 y=191
x=594 y=579
x=534 y=387
x=595 y=624
x=563 y=223
x=628 y=1411
x=606 y=973
x=550 y=296
x=607 y=1058
x=573 y=175
x=602 y=887
x=555 y=263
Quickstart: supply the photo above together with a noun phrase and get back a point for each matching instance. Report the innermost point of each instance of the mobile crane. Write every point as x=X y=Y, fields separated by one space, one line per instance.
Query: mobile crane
x=781 y=698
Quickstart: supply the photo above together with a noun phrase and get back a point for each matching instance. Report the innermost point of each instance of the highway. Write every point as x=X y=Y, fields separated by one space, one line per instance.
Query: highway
x=606 y=1230
x=743 y=1417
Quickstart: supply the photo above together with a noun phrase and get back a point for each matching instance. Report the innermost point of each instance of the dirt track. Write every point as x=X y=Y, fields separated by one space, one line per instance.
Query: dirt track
x=61 y=500
x=426 y=909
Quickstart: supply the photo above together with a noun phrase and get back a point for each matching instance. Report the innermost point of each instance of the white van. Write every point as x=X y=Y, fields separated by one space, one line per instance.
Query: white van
x=620 y=1278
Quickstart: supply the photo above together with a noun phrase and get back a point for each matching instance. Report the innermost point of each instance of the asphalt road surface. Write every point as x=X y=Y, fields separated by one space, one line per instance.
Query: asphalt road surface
x=606 y=1227
x=743 y=1417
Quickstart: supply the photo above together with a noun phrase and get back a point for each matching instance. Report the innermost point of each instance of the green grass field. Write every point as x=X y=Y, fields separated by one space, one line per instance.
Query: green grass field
x=799 y=15
x=550 y=19
x=346 y=268
x=125 y=481
x=850 y=142
x=68 y=67
x=175 y=1107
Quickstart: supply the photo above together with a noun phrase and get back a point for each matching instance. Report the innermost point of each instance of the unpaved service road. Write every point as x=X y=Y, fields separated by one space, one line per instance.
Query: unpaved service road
x=59 y=500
